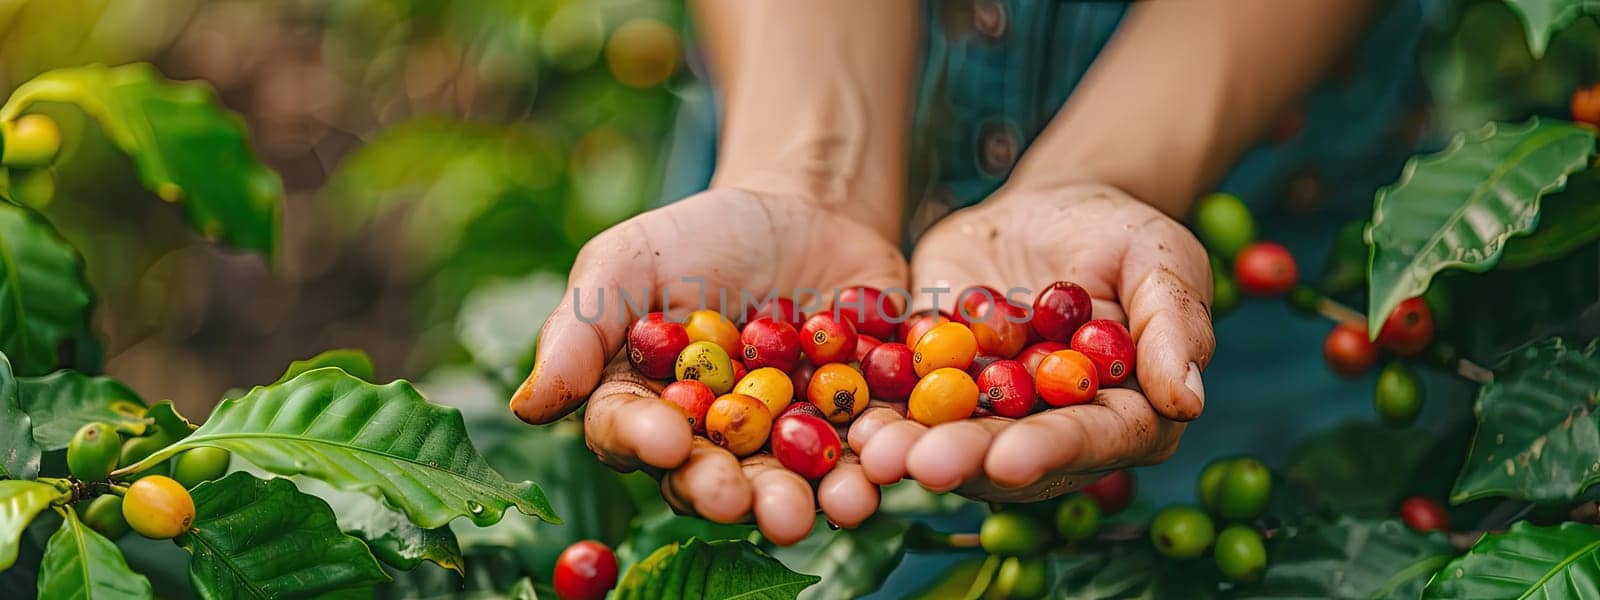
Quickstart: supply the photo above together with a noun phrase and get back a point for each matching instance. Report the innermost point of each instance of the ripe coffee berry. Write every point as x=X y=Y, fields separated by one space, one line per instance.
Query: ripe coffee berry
x=800 y=376
x=739 y=423
x=1007 y=388
x=1113 y=492
x=1409 y=329
x=694 y=399
x=586 y=570
x=1065 y=378
x=711 y=326
x=707 y=363
x=771 y=386
x=870 y=310
x=1347 y=350
x=1586 y=105
x=739 y=372
x=1108 y=344
x=889 y=372
x=971 y=301
x=942 y=396
x=780 y=309
x=839 y=390
x=865 y=344
x=1265 y=269
x=916 y=325
x=1000 y=327
x=806 y=445
x=825 y=339
x=802 y=408
x=769 y=343
x=1031 y=355
x=1424 y=514
x=1059 y=310
x=949 y=345
x=654 y=343
x=158 y=507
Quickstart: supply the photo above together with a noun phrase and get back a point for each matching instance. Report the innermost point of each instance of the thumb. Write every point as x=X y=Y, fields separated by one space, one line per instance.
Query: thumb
x=1171 y=328
x=590 y=325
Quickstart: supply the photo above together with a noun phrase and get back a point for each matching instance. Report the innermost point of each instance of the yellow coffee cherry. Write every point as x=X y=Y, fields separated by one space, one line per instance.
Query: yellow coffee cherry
x=739 y=423
x=769 y=385
x=711 y=326
x=706 y=363
x=840 y=391
x=949 y=345
x=158 y=507
x=945 y=395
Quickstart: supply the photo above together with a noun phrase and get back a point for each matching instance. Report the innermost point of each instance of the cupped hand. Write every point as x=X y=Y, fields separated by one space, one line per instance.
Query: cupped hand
x=721 y=241
x=1141 y=268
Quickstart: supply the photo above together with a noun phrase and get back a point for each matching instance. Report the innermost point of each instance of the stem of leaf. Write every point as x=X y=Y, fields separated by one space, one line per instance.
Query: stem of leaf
x=985 y=578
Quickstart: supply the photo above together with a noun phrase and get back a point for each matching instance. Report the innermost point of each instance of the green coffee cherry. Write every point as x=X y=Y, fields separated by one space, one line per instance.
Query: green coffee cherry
x=34 y=188
x=1244 y=490
x=31 y=141
x=1224 y=292
x=1009 y=534
x=1398 y=396
x=1211 y=481
x=200 y=465
x=136 y=449
x=1078 y=517
x=1020 y=579
x=1224 y=223
x=1182 y=531
x=92 y=453
x=104 y=515
x=1240 y=554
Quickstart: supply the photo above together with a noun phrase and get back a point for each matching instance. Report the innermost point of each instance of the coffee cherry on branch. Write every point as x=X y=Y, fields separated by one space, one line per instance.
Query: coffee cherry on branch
x=1424 y=514
x=769 y=343
x=771 y=386
x=945 y=395
x=1265 y=269
x=694 y=399
x=1112 y=491
x=1240 y=554
x=707 y=363
x=1007 y=388
x=839 y=390
x=870 y=310
x=1398 y=395
x=806 y=445
x=654 y=343
x=950 y=345
x=1066 y=377
x=92 y=453
x=1347 y=350
x=1009 y=534
x=1224 y=224
x=1060 y=309
x=739 y=423
x=711 y=326
x=1078 y=517
x=1108 y=344
x=889 y=372
x=1409 y=329
x=1182 y=531
x=30 y=142
x=586 y=570
x=104 y=515
x=158 y=507
x=199 y=465
x=1585 y=105
x=1243 y=490
x=1019 y=578
x=825 y=339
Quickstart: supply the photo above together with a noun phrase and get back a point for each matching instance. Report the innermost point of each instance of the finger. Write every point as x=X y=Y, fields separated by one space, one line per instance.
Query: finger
x=589 y=326
x=628 y=425
x=884 y=460
x=871 y=420
x=710 y=484
x=845 y=495
x=1118 y=429
x=1171 y=325
x=783 y=506
x=952 y=453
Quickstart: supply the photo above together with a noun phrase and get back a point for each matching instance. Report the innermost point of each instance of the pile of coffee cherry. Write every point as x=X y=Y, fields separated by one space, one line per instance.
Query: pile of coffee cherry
x=787 y=381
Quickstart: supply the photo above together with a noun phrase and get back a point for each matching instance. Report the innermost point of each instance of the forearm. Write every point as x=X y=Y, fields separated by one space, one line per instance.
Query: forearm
x=815 y=97
x=1184 y=88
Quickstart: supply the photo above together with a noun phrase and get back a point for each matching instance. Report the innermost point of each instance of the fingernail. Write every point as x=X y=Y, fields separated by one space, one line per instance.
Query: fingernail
x=1193 y=382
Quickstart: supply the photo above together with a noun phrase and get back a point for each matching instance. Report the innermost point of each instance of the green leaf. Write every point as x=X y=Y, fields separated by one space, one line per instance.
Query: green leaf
x=1360 y=467
x=723 y=569
x=19 y=453
x=354 y=362
x=651 y=533
x=79 y=563
x=1492 y=313
x=850 y=562
x=44 y=298
x=952 y=582
x=64 y=401
x=394 y=539
x=1569 y=220
x=1457 y=208
x=20 y=502
x=1543 y=18
x=264 y=538
x=1538 y=430
x=383 y=440
x=1350 y=558
x=1127 y=570
x=1524 y=562
x=185 y=145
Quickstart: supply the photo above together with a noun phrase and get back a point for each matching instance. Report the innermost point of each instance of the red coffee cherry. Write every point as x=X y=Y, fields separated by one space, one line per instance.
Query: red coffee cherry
x=1409 y=329
x=806 y=445
x=769 y=343
x=802 y=408
x=1113 y=491
x=1586 y=105
x=654 y=344
x=916 y=325
x=1000 y=327
x=889 y=372
x=780 y=309
x=693 y=398
x=1066 y=377
x=1060 y=309
x=586 y=570
x=870 y=310
x=1347 y=350
x=1007 y=389
x=1265 y=269
x=979 y=363
x=1424 y=514
x=800 y=376
x=864 y=344
x=1108 y=344
x=825 y=339
x=1031 y=355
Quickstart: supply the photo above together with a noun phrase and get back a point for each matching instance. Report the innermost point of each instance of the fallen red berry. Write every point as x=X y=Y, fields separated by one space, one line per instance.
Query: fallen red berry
x=806 y=445
x=1007 y=389
x=1108 y=344
x=586 y=570
x=1060 y=309
x=1265 y=269
x=654 y=344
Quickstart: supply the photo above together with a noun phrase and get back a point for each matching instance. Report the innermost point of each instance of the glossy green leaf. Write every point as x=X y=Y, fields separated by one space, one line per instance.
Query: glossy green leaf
x=1524 y=562
x=82 y=564
x=1130 y=570
x=64 y=401
x=354 y=362
x=20 y=502
x=663 y=528
x=1349 y=558
x=1504 y=309
x=264 y=538
x=523 y=590
x=394 y=539
x=1543 y=18
x=850 y=562
x=1568 y=220
x=19 y=453
x=722 y=569
x=1457 y=208
x=383 y=440
x=1538 y=430
x=44 y=298
x=1360 y=467
x=186 y=146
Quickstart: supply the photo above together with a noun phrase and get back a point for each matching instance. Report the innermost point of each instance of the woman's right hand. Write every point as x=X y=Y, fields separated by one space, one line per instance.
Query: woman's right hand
x=724 y=241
